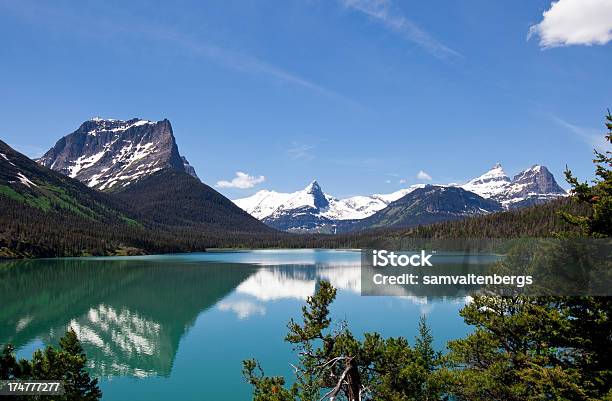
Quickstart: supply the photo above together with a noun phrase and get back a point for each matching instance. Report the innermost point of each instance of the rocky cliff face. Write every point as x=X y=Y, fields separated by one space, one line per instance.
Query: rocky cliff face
x=301 y=211
x=189 y=168
x=112 y=154
x=533 y=185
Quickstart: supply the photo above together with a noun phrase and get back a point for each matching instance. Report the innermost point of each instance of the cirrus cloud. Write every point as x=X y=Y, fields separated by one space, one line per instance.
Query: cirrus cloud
x=575 y=22
x=389 y=16
x=242 y=180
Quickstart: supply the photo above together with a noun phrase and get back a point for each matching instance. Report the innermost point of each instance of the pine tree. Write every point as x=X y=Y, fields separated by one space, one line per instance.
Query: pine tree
x=333 y=364
x=598 y=197
x=548 y=347
x=66 y=364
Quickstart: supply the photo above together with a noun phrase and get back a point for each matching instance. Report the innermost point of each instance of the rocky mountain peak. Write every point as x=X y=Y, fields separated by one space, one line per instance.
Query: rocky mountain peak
x=533 y=185
x=319 y=199
x=109 y=154
x=536 y=180
x=490 y=184
x=496 y=172
x=312 y=187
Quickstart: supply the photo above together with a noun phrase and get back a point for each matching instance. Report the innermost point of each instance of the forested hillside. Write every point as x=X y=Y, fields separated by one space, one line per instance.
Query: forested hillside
x=533 y=221
x=175 y=200
x=46 y=214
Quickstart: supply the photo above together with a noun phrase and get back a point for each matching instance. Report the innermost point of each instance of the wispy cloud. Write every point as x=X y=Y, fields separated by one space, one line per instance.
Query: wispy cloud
x=575 y=22
x=104 y=27
x=423 y=176
x=384 y=12
x=242 y=180
x=246 y=63
x=592 y=136
x=301 y=151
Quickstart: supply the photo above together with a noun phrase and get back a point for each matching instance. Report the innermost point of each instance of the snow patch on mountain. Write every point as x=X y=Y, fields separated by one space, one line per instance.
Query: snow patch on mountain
x=13 y=171
x=25 y=180
x=7 y=159
x=112 y=125
x=312 y=200
x=533 y=185
x=312 y=209
x=360 y=207
x=109 y=154
x=263 y=203
x=489 y=185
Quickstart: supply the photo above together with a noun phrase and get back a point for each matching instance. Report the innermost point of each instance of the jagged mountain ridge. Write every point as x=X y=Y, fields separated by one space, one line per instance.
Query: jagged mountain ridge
x=109 y=154
x=302 y=211
x=265 y=203
x=312 y=210
x=531 y=186
x=113 y=154
x=299 y=211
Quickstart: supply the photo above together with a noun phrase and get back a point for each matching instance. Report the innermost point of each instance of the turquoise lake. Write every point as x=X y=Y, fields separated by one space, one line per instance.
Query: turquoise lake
x=178 y=326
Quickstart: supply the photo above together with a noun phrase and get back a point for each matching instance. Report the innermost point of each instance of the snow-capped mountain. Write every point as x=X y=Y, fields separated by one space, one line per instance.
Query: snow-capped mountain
x=302 y=211
x=360 y=206
x=489 y=185
x=533 y=185
x=310 y=209
x=264 y=203
x=112 y=154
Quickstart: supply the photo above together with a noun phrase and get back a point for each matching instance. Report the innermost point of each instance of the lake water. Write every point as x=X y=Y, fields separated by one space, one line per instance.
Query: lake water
x=178 y=326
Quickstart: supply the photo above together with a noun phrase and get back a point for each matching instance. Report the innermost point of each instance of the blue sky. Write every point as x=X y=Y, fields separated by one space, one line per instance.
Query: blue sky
x=359 y=94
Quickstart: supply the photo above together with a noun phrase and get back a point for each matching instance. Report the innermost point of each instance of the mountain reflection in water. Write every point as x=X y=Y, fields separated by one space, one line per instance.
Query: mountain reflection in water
x=131 y=313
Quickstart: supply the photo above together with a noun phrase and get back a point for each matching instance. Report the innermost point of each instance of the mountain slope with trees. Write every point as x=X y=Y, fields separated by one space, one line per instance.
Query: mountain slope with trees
x=174 y=199
x=46 y=214
x=428 y=205
x=171 y=212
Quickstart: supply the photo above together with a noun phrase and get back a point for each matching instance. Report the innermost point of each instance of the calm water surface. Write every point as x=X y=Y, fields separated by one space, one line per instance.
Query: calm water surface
x=178 y=326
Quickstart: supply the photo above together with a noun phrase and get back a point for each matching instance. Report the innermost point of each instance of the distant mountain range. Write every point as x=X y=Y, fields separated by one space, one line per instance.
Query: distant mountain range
x=115 y=186
x=312 y=210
